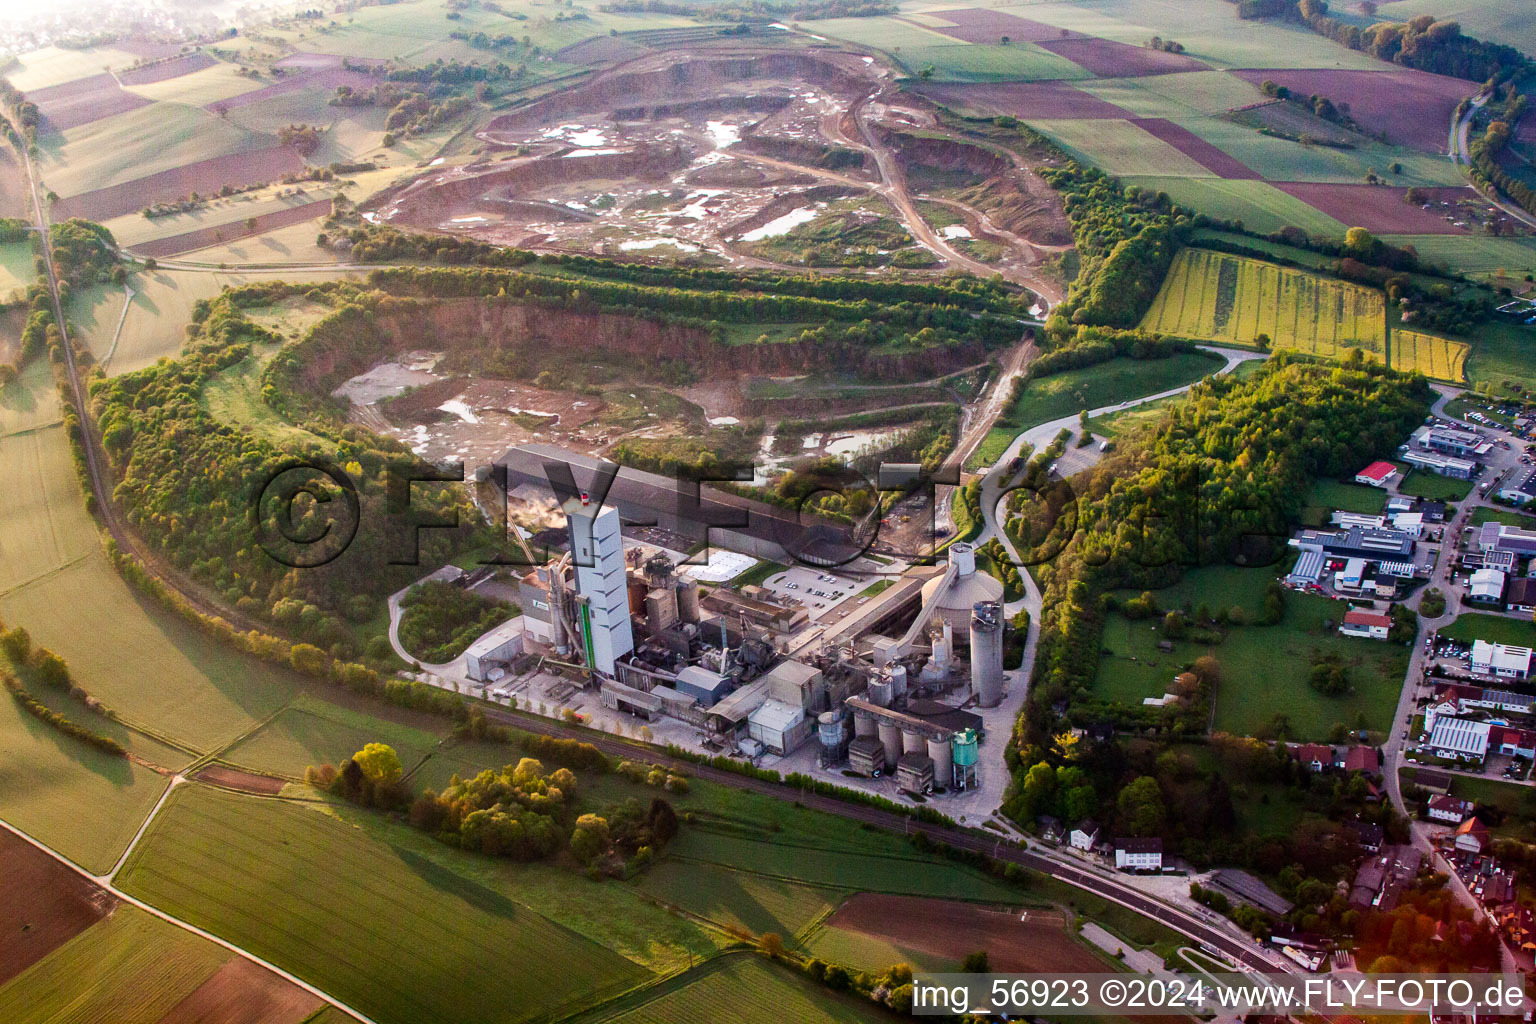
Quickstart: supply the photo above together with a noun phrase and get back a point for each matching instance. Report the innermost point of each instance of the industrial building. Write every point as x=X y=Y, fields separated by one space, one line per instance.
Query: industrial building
x=597 y=549
x=697 y=512
x=887 y=692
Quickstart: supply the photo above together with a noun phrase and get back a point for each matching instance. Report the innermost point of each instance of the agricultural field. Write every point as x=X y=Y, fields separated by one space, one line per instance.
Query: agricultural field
x=735 y=989
x=155 y=324
x=17 y=270
x=1259 y=205
x=381 y=928
x=134 y=968
x=946 y=931
x=1017 y=62
x=315 y=731
x=137 y=144
x=1501 y=358
x=1182 y=94
x=1212 y=296
x=55 y=576
x=1473 y=254
x=738 y=899
x=1264 y=669
x=1120 y=148
x=1436 y=358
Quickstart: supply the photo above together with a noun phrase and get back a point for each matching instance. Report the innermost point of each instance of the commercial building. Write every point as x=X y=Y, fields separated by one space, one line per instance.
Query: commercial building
x=1377 y=474
x=1308 y=569
x=1486 y=586
x=1442 y=465
x=1458 y=738
x=1518 y=485
x=1139 y=854
x=1503 y=537
x=1520 y=595
x=1452 y=441
x=1361 y=623
x=1506 y=661
x=1357 y=542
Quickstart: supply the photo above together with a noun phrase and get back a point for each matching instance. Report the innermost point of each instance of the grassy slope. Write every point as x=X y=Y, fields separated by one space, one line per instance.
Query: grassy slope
x=739 y=989
x=1090 y=387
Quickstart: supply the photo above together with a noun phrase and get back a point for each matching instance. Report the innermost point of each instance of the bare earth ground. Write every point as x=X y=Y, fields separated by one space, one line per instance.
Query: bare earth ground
x=952 y=930
x=245 y=782
x=242 y=992
x=43 y=904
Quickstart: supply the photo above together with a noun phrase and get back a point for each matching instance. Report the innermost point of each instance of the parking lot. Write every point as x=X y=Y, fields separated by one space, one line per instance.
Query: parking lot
x=814 y=589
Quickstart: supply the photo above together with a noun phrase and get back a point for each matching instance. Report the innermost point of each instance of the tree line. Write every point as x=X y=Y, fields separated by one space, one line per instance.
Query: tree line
x=522 y=812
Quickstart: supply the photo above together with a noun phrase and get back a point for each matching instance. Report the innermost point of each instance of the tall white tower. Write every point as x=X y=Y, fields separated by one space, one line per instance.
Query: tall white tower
x=602 y=610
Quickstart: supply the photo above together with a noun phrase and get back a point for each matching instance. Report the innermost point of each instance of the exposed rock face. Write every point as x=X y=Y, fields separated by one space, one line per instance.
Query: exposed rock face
x=403 y=325
x=681 y=81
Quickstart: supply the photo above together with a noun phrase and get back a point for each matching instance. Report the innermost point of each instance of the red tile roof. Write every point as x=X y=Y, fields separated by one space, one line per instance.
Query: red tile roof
x=1360 y=617
x=1378 y=471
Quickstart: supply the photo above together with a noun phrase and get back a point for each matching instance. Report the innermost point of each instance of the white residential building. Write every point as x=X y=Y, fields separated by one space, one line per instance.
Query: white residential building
x=1139 y=854
x=1084 y=835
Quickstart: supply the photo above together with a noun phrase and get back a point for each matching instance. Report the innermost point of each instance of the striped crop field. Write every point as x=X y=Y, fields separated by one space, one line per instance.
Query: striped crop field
x=1437 y=358
x=1211 y=296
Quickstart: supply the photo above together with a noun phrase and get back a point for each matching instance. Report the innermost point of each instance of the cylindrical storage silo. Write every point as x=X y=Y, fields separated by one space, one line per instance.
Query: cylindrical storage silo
x=864 y=725
x=890 y=739
x=987 y=653
x=912 y=742
x=688 y=599
x=965 y=759
x=833 y=733
x=943 y=768
x=898 y=682
x=880 y=692
x=963 y=557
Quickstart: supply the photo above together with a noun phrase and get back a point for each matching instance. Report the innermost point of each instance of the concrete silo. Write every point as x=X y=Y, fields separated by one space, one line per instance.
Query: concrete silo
x=987 y=653
x=943 y=766
x=688 y=599
x=890 y=739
